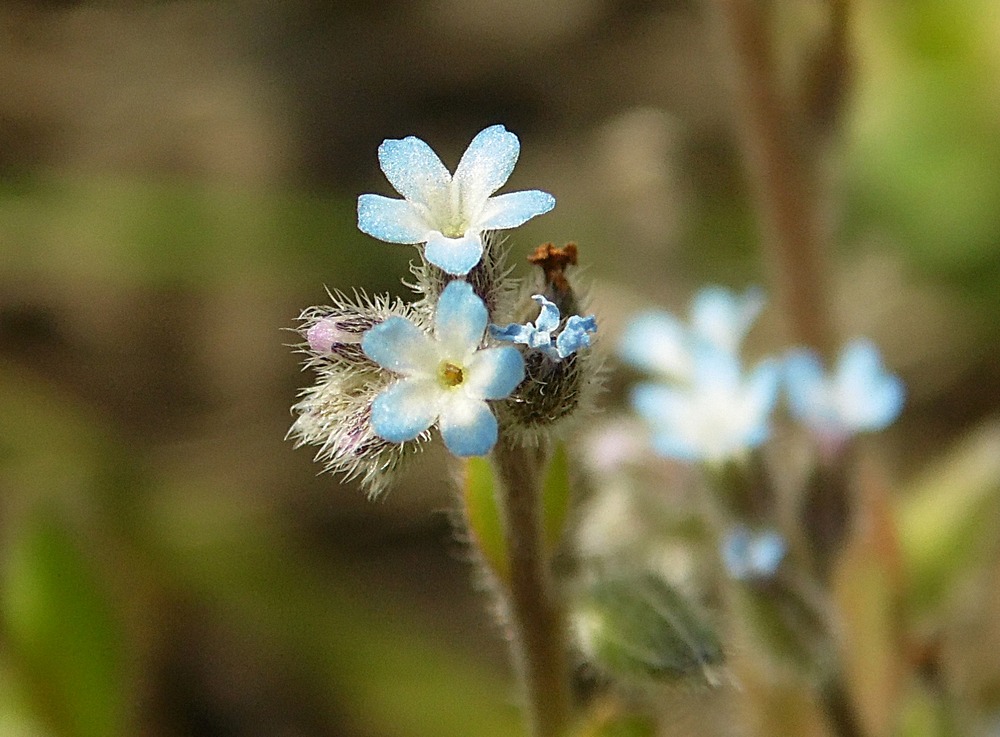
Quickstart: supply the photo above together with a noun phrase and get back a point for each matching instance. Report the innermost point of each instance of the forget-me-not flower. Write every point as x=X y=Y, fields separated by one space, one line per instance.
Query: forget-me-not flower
x=445 y=379
x=718 y=415
x=539 y=334
x=657 y=342
x=750 y=555
x=706 y=408
x=449 y=213
x=859 y=396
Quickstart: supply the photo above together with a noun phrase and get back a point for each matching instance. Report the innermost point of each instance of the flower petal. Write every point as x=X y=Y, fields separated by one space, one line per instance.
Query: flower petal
x=485 y=166
x=576 y=335
x=869 y=398
x=406 y=409
x=460 y=321
x=494 y=373
x=456 y=256
x=468 y=426
x=513 y=209
x=756 y=402
x=512 y=332
x=723 y=318
x=413 y=169
x=393 y=221
x=399 y=345
x=806 y=388
x=548 y=316
x=655 y=341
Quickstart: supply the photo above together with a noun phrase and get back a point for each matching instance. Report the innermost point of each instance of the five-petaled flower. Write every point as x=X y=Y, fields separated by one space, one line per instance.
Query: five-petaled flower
x=449 y=213
x=859 y=396
x=703 y=407
x=719 y=415
x=574 y=336
x=445 y=378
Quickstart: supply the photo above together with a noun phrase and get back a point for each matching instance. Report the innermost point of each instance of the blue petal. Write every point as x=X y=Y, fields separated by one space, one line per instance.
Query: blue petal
x=658 y=404
x=455 y=256
x=548 y=316
x=723 y=318
x=460 y=320
x=655 y=341
x=513 y=209
x=716 y=369
x=394 y=221
x=513 y=333
x=805 y=385
x=486 y=165
x=494 y=372
x=399 y=345
x=468 y=426
x=576 y=335
x=413 y=169
x=405 y=409
x=871 y=398
x=760 y=395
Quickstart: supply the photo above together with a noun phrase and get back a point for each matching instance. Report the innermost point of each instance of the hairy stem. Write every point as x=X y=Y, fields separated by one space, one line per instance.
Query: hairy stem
x=533 y=607
x=782 y=175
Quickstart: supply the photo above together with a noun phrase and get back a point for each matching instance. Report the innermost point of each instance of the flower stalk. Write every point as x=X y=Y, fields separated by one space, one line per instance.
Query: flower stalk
x=783 y=177
x=535 y=614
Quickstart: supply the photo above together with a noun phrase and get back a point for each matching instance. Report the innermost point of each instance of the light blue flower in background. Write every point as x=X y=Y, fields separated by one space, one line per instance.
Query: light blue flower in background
x=723 y=317
x=449 y=213
x=860 y=396
x=539 y=334
x=718 y=415
x=750 y=555
x=657 y=342
x=445 y=378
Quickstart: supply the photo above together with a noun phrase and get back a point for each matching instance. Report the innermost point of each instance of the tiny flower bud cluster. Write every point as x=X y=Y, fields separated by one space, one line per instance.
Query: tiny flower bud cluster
x=390 y=373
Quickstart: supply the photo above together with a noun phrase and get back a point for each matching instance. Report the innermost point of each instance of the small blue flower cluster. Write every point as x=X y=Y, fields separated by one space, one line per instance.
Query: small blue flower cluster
x=705 y=407
x=390 y=372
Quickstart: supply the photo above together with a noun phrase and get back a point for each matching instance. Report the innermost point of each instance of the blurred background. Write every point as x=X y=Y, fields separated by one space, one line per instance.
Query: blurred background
x=178 y=179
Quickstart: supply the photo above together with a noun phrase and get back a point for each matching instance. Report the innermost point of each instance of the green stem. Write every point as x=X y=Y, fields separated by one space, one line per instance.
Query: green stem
x=533 y=607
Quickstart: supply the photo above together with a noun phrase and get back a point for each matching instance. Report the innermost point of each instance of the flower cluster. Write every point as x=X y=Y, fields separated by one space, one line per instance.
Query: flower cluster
x=389 y=373
x=706 y=407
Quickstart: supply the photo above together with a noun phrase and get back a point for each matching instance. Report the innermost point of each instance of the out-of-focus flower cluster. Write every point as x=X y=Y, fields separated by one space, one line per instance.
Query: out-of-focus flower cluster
x=389 y=372
x=706 y=406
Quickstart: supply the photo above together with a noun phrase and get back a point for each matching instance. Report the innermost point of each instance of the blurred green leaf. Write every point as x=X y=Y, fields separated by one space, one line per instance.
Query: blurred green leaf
x=947 y=518
x=925 y=139
x=62 y=628
x=483 y=515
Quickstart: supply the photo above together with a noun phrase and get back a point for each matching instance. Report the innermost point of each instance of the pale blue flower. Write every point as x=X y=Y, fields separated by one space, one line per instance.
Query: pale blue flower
x=750 y=555
x=860 y=396
x=539 y=335
x=445 y=378
x=718 y=415
x=449 y=213
x=657 y=342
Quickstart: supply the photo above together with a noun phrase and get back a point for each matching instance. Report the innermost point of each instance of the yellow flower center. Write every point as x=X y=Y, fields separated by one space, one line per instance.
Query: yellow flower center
x=451 y=375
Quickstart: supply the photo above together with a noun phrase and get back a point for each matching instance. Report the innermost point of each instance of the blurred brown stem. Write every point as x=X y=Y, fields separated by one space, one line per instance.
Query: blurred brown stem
x=782 y=174
x=536 y=618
